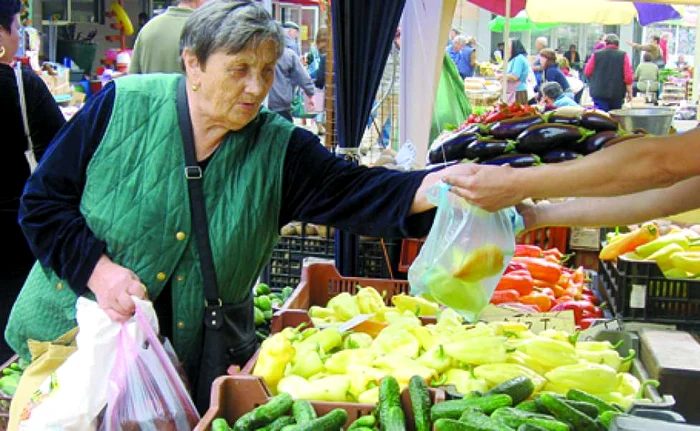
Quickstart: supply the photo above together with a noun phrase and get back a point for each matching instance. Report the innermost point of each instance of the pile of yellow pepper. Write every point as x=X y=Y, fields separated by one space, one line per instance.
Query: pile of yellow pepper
x=326 y=365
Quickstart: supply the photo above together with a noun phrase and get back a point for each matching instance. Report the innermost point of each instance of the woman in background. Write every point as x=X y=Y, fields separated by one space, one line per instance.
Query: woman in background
x=517 y=73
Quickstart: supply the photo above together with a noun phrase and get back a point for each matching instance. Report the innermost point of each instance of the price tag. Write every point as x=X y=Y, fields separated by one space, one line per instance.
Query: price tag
x=537 y=322
x=638 y=296
x=360 y=318
x=406 y=156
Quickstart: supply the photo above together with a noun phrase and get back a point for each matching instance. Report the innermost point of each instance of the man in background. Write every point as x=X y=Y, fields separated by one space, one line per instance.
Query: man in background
x=463 y=54
x=289 y=73
x=157 y=47
x=291 y=31
x=540 y=44
x=611 y=75
x=453 y=33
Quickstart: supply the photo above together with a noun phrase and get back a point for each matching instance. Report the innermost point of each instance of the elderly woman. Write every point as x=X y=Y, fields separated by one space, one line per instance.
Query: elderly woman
x=107 y=213
x=554 y=96
x=43 y=121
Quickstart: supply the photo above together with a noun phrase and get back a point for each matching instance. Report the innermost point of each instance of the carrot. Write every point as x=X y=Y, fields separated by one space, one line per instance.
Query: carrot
x=630 y=241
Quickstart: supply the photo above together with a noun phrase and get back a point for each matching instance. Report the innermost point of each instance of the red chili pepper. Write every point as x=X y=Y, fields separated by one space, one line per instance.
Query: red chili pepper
x=586 y=323
x=590 y=298
x=501 y=296
x=547 y=291
x=570 y=305
x=586 y=290
x=578 y=276
x=520 y=281
x=564 y=279
x=553 y=252
x=595 y=312
x=516 y=266
x=523 y=250
x=541 y=269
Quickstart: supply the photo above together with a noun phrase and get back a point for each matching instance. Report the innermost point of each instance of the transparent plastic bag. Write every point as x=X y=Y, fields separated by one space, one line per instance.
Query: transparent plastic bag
x=464 y=255
x=145 y=391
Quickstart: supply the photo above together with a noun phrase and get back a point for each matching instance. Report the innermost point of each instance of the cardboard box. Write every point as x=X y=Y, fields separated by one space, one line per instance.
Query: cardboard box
x=585 y=238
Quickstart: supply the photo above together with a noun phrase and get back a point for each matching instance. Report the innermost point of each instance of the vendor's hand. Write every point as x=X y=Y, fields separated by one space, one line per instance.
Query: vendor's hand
x=113 y=286
x=528 y=211
x=489 y=187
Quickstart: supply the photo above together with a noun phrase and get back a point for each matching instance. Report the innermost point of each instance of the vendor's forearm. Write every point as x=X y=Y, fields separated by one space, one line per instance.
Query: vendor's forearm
x=420 y=201
x=622 y=210
x=628 y=167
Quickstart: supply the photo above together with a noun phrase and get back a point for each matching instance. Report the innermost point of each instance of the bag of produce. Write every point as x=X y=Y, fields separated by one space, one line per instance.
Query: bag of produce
x=465 y=253
x=145 y=390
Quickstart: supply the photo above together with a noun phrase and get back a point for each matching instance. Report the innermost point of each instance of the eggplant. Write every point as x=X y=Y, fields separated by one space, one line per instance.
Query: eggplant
x=510 y=129
x=558 y=156
x=622 y=138
x=639 y=131
x=594 y=143
x=542 y=138
x=598 y=121
x=514 y=160
x=487 y=148
x=555 y=118
x=454 y=148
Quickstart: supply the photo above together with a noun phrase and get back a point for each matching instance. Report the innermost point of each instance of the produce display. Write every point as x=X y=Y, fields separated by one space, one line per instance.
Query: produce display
x=306 y=229
x=10 y=377
x=537 y=279
x=264 y=301
x=520 y=136
x=677 y=253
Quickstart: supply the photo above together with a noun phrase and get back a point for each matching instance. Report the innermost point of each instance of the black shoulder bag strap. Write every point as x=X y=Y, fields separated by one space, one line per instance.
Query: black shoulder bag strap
x=200 y=224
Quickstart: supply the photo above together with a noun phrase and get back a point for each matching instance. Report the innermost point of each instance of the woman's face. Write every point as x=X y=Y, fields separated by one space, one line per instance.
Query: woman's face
x=543 y=59
x=10 y=40
x=232 y=87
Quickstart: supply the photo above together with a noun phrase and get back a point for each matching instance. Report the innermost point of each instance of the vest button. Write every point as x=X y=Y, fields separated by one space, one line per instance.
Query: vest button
x=180 y=236
x=180 y=278
x=180 y=325
x=59 y=286
x=161 y=276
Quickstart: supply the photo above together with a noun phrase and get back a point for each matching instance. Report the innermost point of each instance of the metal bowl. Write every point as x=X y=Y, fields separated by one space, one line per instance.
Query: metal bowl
x=656 y=121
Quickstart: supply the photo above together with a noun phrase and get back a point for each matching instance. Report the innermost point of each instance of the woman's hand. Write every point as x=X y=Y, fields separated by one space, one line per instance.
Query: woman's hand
x=489 y=187
x=113 y=286
x=528 y=211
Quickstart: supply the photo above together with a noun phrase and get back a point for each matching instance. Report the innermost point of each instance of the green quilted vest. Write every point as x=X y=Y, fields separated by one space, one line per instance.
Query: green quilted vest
x=136 y=200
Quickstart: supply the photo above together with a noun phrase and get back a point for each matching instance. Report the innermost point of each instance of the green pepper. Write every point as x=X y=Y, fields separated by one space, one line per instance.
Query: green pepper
x=679 y=239
x=219 y=424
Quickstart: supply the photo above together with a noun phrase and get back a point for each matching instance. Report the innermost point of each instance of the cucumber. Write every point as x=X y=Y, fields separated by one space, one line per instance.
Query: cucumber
x=278 y=424
x=389 y=396
x=606 y=418
x=303 y=412
x=568 y=414
x=420 y=401
x=519 y=389
x=265 y=414
x=219 y=424
x=451 y=425
x=584 y=407
x=393 y=420
x=577 y=395
x=530 y=427
x=515 y=418
x=333 y=421
x=453 y=409
x=478 y=421
x=364 y=422
x=528 y=406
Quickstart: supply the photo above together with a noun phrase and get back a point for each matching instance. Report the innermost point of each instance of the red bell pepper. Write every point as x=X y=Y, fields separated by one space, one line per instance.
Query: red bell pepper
x=570 y=305
x=590 y=298
x=586 y=323
x=520 y=281
x=502 y=296
x=516 y=266
x=527 y=251
x=541 y=269
x=547 y=291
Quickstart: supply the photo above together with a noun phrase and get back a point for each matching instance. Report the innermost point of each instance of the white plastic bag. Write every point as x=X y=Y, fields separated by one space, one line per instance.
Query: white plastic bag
x=465 y=253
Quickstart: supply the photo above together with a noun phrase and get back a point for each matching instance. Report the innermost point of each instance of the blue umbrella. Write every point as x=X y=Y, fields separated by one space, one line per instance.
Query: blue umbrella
x=649 y=13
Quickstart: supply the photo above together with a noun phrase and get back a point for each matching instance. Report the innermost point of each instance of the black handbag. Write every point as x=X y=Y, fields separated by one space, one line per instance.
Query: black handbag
x=229 y=329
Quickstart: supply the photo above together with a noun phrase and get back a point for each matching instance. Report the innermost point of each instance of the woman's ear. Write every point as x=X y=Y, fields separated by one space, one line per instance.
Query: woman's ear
x=193 y=68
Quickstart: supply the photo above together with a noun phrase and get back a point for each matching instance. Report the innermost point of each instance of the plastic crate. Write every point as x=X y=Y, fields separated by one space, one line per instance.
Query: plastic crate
x=409 y=251
x=546 y=237
x=639 y=291
x=376 y=260
x=233 y=396
x=5 y=399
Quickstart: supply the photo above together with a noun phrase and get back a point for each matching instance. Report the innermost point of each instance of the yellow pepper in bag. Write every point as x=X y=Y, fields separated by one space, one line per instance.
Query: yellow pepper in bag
x=344 y=306
x=417 y=305
x=548 y=352
x=275 y=353
x=478 y=351
x=484 y=262
x=495 y=374
x=465 y=382
x=369 y=300
x=593 y=378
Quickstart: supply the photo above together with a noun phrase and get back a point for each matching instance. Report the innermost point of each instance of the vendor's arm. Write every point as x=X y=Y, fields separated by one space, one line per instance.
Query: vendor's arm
x=619 y=210
x=53 y=224
x=629 y=167
x=319 y=187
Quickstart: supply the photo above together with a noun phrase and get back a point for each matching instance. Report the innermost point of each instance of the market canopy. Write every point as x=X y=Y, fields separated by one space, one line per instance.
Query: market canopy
x=521 y=22
x=499 y=6
x=599 y=11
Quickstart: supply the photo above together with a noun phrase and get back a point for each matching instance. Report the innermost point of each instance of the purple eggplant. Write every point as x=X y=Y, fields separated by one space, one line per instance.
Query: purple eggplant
x=510 y=129
x=542 y=138
x=593 y=143
x=599 y=122
x=514 y=160
x=558 y=156
x=555 y=118
x=454 y=148
x=487 y=148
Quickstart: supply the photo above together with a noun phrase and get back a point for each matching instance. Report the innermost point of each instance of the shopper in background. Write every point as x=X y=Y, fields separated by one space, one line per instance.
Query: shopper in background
x=573 y=57
x=628 y=183
x=319 y=75
x=291 y=29
x=646 y=77
x=517 y=74
x=463 y=54
x=498 y=54
x=108 y=211
x=652 y=48
x=540 y=44
x=611 y=75
x=454 y=32
x=550 y=69
x=289 y=74
x=554 y=96
x=600 y=44
x=157 y=47
x=44 y=120
x=664 y=45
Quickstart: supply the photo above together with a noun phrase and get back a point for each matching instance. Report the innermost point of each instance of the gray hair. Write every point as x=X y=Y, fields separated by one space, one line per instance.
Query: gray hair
x=612 y=39
x=228 y=26
x=552 y=90
x=460 y=38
